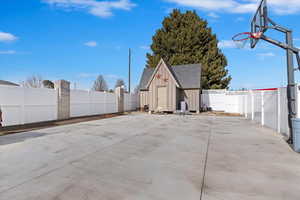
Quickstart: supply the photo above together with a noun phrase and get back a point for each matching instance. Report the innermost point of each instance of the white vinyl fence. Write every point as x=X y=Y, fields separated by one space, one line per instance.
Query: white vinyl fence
x=130 y=102
x=267 y=107
x=30 y=105
x=85 y=103
x=223 y=100
x=26 y=105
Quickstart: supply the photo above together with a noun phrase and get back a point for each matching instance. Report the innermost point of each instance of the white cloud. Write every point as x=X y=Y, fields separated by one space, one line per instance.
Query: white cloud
x=213 y=15
x=240 y=6
x=145 y=47
x=269 y=54
x=225 y=44
x=91 y=44
x=112 y=76
x=240 y=19
x=7 y=37
x=94 y=7
x=218 y=5
x=262 y=56
x=87 y=75
x=169 y=10
x=8 y=52
x=284 y=7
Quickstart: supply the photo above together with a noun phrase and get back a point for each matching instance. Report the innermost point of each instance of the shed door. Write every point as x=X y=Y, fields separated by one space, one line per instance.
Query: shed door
x=162 y=98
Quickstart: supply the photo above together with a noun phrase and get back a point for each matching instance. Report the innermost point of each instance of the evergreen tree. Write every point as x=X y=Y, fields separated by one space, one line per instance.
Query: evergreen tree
x=185 y=38
x=100 y=84
x=48 y=84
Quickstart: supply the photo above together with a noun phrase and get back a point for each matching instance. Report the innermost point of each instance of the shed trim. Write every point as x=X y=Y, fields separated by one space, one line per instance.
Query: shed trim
x=162 y=62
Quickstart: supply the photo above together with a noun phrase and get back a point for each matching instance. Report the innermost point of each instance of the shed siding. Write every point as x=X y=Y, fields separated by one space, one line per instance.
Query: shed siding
x=179 y=98
x=192 y=97
x=165 y=80
x=144 y=98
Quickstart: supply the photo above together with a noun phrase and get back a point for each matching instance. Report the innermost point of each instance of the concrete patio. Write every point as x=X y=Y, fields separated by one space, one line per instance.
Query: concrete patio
x=149 y=157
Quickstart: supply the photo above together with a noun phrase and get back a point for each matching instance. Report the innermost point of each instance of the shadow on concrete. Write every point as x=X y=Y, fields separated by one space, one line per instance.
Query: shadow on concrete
x=41 y=125
x=21 y=137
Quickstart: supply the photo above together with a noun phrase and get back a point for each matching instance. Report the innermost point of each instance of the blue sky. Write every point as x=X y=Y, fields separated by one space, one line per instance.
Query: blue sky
x=78 y=39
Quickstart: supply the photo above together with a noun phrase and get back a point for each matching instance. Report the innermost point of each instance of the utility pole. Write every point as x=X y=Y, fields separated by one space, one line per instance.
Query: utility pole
x=129 y=71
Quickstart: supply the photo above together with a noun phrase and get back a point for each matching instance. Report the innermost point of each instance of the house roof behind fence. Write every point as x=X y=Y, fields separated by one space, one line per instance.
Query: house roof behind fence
x=2 y=82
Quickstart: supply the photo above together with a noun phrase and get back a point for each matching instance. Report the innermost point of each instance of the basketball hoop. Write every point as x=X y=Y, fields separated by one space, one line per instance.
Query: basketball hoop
x=241 y=39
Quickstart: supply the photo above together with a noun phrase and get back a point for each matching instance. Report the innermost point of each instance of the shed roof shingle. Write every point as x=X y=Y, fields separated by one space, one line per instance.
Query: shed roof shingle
x=145 y=77
x=188 y=76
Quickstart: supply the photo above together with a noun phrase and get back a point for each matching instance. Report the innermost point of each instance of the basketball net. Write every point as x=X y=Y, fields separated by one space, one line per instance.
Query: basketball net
x=240 y=44
x=241 y=39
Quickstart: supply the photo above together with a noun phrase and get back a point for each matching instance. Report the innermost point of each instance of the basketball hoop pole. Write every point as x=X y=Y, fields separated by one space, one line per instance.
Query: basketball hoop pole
x=291 y=86
x=260 y=24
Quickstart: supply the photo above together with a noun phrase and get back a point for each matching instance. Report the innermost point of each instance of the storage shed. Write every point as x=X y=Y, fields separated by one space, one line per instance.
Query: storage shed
x=164 y=87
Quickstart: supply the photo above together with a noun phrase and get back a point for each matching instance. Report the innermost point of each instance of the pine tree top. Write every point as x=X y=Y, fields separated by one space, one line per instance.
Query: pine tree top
x=185 y=38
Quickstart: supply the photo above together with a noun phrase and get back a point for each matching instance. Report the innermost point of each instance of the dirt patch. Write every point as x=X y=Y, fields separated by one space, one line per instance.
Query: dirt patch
x=216 y=113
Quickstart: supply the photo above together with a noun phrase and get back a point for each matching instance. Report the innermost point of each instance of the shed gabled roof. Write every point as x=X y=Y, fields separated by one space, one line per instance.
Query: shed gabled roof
x=163 y=63
x=187 y=76
x=146 y=77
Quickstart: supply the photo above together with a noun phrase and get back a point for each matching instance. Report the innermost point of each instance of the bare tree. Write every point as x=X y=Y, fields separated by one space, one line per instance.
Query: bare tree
x=100 y=84
x=120 y=83
x=34 y=81
x=136 y=89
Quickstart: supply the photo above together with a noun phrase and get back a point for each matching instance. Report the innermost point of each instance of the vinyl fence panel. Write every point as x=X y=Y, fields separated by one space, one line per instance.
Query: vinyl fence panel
x=130 y=101
x=110 y=103
x=79 y=103
x=249 y=105
x=234 y=103
x=257 y=106
x=40 y=104
x=27 y=105
x=284 y=128
x=271 y=109
x=97 y=103
x=214 y=99
x=30 y=105
x=86 y=103
x=266 y=107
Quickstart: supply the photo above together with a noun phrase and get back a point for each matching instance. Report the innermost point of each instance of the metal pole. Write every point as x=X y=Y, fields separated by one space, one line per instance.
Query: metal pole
x=129 y=71
x=262 y=109
x=298 y=60
x=291 y=84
